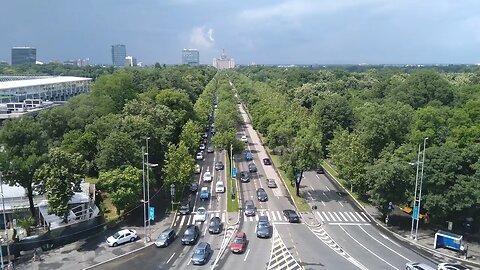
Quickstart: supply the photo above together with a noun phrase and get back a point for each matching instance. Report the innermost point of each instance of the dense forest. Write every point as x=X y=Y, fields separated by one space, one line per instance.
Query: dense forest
x=99 y=136
x=369 y=125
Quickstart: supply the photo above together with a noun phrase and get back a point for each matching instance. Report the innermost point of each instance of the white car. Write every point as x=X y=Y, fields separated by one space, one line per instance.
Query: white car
x=201 y=214
x=202 y=146
x=199 y=156
x=452 y=266
x=244 y=138
x=207 y=177
x=122 y=236
x=417 y=266
x=220 y=187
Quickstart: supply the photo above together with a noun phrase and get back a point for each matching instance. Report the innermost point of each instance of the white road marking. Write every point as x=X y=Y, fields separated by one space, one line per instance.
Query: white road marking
x=366 y=216
x=354 y=217
x=206 y=227
x=317 y=176
x=346 y=214
x=384 y=245
x=189 y=261
x=386 y=237
x=223 y=217
x=373 y=253
x=312 y=188
x=170 y=257
x=340 y=203
x=320 y=216
x=327 y=188
x=325 y=194
x=183 y=221
x=349 y=224
x=326 y=217
x=246 y=255
x=333 y=218
x=360 y=216
x=323 y=203
x=335 y=213
x=344 y=218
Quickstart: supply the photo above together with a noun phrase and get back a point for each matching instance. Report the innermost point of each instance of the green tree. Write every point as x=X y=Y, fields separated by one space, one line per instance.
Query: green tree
x=190 y=135
x=117 y=88
x=117 y=150
x=123 y=185
x=61 y=176
x=179 y=166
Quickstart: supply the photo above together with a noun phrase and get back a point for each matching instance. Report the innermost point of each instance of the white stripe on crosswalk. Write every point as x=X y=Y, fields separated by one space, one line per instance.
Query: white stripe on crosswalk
x=360 y=216
x=335 y=213
x=223 y=217
x=333 y=218
x=256 y=217
x=183 y=220
x=268 y=215
x=366 y=216
x=349 y=217
x=354 y=217
x=279 y=215
x=326 y=217
x=320 y=216
x=344 y=218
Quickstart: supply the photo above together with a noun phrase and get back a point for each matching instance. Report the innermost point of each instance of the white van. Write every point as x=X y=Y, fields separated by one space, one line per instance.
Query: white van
x=220 y=187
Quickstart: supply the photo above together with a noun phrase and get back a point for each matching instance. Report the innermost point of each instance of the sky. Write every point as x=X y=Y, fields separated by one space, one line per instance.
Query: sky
x=260 y=31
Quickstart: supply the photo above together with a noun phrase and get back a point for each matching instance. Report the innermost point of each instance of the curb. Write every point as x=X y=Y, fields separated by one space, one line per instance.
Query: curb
x=398 y=236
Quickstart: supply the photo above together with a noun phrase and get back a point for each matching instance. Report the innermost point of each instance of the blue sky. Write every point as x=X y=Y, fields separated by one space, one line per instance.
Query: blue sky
x=267 y=31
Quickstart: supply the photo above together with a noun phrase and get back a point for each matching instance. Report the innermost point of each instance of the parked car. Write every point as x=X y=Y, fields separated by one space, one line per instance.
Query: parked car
x=220 y=187
x=191 y=235
x=249 y=208
x=198 y=169
x=263 y=229
x=212 y=130
x=239 y=244
x=165 y=238
x=201 y=214
x=248 y=155
x=202 y=253
x=417 y=266
x=204 y=193
x=205 y=135
x=244 y=176
x=244 y=138
x=320 y=170
x=210 y=149
x=202 y=146
x=122 y=236
x=215 y=225
x=271 y=183
x=291 y=216
x=184 y=208
x=262 y=195
x=219 y=166
x=207 y=177
x=252 y=167
x=266 y=161
x=199 y=156
x=452 y=266
x=193 y=186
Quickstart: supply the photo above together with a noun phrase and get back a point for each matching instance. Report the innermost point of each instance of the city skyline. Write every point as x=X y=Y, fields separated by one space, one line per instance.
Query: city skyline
x=270 y=32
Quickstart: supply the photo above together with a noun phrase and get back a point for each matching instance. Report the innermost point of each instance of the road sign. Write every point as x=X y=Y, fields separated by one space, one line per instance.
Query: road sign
x=172 y=189
x=152 y=213
x=390 y=206
x=234 y=172
x=415 y=212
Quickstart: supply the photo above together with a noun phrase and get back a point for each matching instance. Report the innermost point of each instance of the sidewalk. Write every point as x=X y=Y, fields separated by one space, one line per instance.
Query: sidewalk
x=92 y=251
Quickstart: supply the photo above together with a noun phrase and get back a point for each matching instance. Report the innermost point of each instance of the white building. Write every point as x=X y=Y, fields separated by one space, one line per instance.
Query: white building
x=130 y=61
x=223 y=62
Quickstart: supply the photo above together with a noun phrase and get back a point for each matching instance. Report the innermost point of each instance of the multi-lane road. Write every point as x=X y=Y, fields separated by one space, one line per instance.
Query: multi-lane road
x=347 y=237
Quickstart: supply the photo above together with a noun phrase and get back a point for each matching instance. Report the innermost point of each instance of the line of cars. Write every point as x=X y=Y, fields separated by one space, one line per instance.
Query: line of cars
x=441 y=266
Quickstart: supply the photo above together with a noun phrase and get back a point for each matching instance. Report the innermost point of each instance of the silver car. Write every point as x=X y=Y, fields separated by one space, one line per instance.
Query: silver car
x=418 y=266
x=250 y=208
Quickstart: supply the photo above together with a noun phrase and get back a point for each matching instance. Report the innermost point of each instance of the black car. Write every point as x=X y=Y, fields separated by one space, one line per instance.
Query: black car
x=219 y=166
x=266 y=161
x=320 y=170
x=291 y=216
x=215 y=225
x=202 y=253
x=263 y=227
x=244 y=176
x=165 y=238
x=194 y=187
x=252 y=168
x=191 y=235
x=184 y=208
x=262 y=195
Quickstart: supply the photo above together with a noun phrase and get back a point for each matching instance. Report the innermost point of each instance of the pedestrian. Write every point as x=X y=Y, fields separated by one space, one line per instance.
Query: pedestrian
x=35 y=256
x=426 y=217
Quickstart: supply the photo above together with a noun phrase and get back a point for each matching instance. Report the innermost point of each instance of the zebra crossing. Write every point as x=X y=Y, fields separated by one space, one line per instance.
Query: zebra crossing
x=332 y=217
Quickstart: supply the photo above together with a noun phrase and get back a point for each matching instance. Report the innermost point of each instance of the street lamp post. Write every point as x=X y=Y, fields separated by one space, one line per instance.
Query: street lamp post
x=418 y=189
x=144 y=199
x=147 y=165
x=172 y=193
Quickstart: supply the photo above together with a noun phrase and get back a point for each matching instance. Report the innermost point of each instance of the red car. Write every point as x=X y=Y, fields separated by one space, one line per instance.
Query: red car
x=240 y=243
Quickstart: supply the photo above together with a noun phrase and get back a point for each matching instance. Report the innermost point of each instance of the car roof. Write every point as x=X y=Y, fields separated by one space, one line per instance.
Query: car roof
x=249 y=202
x=215 y=218
x=125 y=231
x=167 y=231
x=202 y=245
x=204 y=188
x=263 y=218
x=219 y=182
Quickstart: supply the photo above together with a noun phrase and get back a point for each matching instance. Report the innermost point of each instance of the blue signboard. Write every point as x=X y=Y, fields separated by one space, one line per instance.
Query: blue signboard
x=152 y=213
x=415 y=213
x=234 y=172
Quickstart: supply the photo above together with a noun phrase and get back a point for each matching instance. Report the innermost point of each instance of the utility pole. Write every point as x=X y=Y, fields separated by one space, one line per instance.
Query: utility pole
x=148 y=187
x=144 y=199
x=418 y=190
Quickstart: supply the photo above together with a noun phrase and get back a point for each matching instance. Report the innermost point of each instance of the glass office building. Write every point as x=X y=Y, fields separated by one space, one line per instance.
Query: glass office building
x=190 y=57
x=119 y=52
x=23 y=55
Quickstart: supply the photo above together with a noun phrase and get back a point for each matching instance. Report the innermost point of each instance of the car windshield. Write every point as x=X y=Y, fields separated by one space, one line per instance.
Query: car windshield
x=249 y=206
x=162 y=236
x=184 y=207
x=201 y=211
x=213 y=223
x=189 y=231
x=263 y=224
x=116 y=235
x=238 y=241
x=292 y=214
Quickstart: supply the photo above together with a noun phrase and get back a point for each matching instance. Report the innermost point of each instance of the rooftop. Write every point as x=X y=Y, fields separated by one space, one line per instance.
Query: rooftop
x=42 y=81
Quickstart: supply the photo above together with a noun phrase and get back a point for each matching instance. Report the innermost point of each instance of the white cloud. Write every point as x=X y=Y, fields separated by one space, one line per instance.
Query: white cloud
x=202 y=38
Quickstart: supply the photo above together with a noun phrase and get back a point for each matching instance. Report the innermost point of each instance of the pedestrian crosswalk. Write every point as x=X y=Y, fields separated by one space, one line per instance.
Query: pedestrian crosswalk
x=342 y=216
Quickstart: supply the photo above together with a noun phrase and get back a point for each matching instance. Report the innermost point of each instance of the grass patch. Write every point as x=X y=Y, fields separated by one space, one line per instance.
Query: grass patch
x=109 y=210
x=232 y=205
x=299 y=201
x=91 y=180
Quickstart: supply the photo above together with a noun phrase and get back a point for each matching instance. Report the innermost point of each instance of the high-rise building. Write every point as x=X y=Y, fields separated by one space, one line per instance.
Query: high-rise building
x=224 y=62
x=119 y=52
x=190 y=57
x=24 y=55
x=130 y=61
